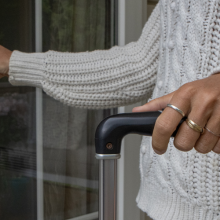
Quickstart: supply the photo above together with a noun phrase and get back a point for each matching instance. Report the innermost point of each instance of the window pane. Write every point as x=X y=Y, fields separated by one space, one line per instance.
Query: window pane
x=70 y=168
x=17 y=120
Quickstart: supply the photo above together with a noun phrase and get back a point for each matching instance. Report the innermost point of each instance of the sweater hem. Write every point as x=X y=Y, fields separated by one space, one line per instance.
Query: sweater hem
x=164 y=204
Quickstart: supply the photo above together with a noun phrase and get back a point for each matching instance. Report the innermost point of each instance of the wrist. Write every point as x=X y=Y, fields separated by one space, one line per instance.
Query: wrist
x=9 y=57
x=5 y=56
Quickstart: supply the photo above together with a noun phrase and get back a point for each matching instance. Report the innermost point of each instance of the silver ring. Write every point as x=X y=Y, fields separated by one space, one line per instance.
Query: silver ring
x=218 y=135
x=177 y=109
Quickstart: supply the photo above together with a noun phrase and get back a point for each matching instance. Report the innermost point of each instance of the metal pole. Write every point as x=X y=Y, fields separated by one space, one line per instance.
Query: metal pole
x=39 y=116
x=121 y=164
x=107 y=189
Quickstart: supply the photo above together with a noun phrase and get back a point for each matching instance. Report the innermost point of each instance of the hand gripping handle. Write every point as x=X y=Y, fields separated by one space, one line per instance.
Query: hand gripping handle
x=108 y=139
x=111 y=130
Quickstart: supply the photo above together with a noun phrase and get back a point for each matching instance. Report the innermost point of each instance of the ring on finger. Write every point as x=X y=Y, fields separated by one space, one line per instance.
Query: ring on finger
x=194 y=126
x=218 y=135
x=176 y=109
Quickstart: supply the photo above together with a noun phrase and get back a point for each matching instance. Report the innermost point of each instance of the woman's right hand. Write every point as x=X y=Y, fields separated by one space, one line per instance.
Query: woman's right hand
x=5 y=55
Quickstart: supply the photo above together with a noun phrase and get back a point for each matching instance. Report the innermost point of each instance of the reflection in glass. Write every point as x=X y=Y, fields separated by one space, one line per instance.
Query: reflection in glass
x=17 y=153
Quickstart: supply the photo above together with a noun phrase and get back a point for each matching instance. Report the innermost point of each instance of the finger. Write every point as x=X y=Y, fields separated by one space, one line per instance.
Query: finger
x=167 y=122
x=186 y=137
x=216 y=148
x=208 y=140
x=155 y=105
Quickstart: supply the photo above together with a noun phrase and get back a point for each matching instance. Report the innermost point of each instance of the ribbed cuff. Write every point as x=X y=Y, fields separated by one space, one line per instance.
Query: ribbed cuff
x=27 y=69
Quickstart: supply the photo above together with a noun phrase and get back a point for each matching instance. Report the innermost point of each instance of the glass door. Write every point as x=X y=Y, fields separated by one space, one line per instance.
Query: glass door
x=47 y=164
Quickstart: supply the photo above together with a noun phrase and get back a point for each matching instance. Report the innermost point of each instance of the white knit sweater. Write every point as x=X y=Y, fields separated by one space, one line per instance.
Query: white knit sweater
x=183 y=37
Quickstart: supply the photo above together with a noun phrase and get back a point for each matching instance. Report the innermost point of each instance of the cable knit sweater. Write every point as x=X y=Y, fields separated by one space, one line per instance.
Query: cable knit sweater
x=180 y=43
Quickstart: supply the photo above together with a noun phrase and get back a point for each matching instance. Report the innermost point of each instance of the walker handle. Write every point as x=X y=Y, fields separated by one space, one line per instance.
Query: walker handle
x=108 y=139
x=111 y=130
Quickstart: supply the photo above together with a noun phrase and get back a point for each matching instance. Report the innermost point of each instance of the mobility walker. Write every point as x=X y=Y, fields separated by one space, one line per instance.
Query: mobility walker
x=108 y=139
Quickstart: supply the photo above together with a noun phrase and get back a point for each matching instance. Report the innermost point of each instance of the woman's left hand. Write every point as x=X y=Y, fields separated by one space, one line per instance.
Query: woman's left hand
x=200 y=101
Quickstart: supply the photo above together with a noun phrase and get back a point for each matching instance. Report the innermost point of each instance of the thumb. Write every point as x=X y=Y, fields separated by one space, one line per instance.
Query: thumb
x=155 y=105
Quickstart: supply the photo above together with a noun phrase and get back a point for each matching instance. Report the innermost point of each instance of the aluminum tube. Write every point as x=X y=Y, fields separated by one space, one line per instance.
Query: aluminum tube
x=39 y=116
x=107 y=189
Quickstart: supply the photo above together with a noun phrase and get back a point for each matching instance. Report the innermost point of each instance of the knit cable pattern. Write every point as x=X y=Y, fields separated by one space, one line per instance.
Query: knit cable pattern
x=183 y=185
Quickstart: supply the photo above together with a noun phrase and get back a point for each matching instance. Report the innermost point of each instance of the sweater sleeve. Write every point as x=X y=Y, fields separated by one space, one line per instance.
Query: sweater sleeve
x=98 y=79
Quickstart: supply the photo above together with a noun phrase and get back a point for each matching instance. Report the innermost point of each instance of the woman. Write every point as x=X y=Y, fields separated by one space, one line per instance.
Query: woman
x=177 y=57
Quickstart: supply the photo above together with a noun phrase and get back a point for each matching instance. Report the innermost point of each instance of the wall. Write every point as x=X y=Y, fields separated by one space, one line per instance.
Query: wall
x=137 y=13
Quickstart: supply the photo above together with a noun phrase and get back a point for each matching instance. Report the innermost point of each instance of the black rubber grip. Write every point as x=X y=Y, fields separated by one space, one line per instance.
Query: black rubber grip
x=111 y=130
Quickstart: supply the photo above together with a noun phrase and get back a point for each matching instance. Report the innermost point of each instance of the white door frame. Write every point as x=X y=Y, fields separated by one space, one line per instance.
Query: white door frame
x=39 y=116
